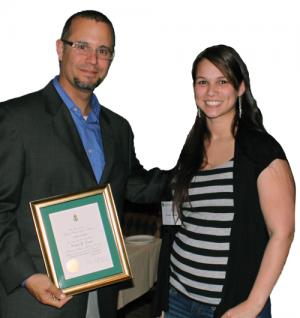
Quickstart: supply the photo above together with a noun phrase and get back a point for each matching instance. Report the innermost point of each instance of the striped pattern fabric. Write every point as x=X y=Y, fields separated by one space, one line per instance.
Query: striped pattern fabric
x=201 y=247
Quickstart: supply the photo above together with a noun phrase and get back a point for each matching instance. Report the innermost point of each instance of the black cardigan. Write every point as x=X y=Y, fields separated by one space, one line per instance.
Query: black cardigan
x=254 y=151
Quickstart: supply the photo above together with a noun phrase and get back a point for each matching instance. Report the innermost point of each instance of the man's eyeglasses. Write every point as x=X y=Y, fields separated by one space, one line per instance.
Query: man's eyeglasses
x=83 y=48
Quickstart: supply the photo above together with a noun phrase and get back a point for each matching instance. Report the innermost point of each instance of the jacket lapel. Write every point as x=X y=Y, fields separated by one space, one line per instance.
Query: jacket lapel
x=108 y=145
x=65 y=128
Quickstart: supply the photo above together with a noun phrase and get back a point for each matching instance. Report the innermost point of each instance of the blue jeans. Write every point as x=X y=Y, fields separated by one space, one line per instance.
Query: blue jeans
x=181 y=306
x=266 y=312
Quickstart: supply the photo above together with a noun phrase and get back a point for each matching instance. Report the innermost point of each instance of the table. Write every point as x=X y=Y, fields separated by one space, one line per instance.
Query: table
x=143 y=261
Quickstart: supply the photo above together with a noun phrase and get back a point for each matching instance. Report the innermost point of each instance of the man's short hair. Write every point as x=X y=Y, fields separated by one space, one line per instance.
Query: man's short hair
x=87 y=14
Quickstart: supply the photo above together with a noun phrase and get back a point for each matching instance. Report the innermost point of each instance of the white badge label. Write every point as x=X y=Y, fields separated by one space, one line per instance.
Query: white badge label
x=169 y=217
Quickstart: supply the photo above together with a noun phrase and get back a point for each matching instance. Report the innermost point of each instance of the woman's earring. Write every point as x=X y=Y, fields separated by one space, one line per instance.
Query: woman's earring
x=240 y=106
x=199 y=112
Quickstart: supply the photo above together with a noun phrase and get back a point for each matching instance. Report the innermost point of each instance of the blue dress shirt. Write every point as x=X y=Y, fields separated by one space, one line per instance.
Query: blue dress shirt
x=88 y=129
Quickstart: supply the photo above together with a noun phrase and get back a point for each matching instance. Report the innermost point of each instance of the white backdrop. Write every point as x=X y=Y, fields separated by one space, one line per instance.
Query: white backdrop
x=149 y=82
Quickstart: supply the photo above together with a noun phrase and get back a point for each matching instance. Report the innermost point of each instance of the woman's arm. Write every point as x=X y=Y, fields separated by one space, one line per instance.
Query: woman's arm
x=276 y=191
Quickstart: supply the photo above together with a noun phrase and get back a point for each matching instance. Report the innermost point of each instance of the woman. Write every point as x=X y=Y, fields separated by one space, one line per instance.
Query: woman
x=235 y=194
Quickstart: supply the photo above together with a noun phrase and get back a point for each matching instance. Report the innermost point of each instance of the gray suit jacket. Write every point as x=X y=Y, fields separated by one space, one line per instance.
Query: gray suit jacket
x=41 y=155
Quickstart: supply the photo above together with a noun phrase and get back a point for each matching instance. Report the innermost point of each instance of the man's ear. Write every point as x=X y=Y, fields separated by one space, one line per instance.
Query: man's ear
x=59 y=49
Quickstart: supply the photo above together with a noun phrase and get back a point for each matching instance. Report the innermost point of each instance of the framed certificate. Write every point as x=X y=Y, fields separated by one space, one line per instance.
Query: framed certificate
x=81 y=240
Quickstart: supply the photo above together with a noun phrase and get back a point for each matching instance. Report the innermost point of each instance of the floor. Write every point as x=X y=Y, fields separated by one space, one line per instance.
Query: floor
x=140 y=308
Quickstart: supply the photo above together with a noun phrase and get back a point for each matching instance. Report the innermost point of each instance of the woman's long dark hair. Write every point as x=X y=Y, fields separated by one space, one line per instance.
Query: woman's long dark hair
x=192 y=155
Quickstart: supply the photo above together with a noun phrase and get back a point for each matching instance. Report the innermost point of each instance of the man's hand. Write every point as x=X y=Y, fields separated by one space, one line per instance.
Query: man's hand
x=40 y=286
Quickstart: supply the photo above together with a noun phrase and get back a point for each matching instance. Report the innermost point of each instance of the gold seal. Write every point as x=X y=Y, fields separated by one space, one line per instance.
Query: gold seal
x=73 y=265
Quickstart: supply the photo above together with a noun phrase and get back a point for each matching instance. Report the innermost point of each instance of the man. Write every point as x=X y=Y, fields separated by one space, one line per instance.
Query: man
x=60 y=140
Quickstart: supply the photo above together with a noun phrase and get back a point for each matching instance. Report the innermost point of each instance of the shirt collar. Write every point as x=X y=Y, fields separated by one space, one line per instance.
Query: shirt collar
x=94 y=115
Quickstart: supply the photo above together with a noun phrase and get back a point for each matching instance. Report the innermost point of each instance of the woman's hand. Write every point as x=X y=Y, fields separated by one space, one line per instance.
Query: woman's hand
x=243 y=310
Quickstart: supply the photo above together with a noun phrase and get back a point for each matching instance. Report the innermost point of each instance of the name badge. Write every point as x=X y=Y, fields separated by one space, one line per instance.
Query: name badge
x=169 y=217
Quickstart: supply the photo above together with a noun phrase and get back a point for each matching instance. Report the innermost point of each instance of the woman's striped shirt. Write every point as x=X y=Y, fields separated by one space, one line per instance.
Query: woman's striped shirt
x=200 y=250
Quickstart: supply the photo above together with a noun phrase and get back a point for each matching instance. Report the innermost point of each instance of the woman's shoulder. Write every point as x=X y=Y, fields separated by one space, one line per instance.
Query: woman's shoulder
x=260 y=146
x=258 y=138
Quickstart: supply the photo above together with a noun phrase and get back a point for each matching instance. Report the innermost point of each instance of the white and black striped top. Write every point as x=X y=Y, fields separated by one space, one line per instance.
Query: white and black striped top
x=201 y=247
